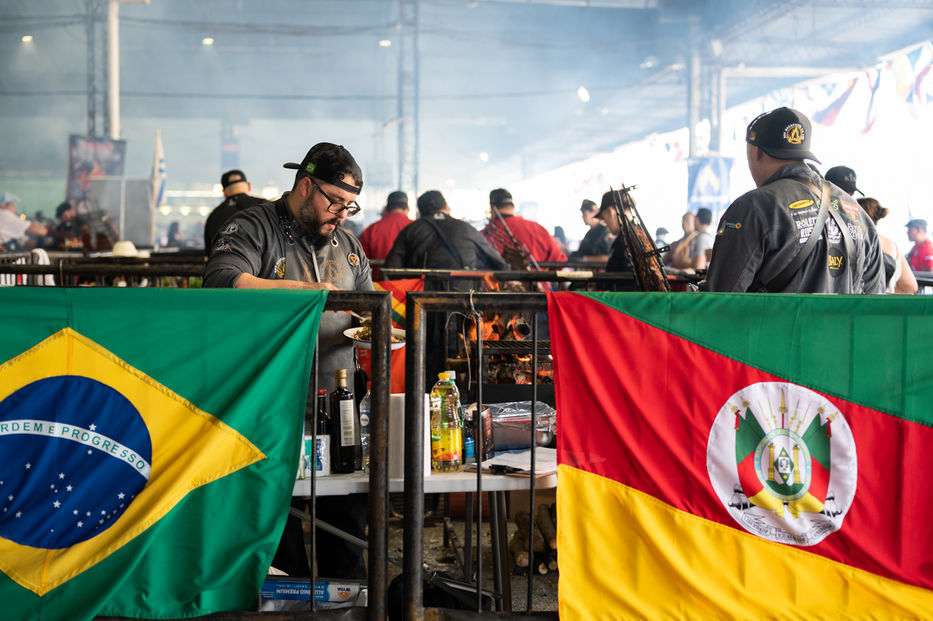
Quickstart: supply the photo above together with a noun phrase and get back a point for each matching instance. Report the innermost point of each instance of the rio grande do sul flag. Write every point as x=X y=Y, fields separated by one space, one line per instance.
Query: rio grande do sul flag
x=149 y=442
x=743 y=456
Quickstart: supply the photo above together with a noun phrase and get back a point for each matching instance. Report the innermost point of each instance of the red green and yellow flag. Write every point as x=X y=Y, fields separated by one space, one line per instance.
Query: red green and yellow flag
x=149 y=441
x=398 y=289
x=743 y=456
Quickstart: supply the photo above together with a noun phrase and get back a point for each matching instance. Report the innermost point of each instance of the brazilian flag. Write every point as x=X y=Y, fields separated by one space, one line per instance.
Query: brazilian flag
x=148 y=446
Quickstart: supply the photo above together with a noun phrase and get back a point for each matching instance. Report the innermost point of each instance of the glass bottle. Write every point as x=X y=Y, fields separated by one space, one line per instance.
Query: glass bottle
x=365 y=409
x=446 y=436
x=345 y=434
x=321 y=454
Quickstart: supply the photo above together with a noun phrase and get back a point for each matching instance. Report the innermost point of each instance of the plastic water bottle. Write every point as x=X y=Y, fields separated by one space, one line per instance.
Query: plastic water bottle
x=446 y=434
x=365 y=409
x=469 y=451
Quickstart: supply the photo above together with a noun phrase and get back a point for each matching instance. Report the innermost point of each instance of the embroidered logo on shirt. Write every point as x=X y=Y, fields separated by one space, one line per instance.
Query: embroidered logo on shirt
x=800 y=204
x=353 y=259
x=280 y=268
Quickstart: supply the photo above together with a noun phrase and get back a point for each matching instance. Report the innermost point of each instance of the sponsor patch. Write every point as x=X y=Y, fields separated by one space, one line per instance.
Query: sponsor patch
x=836 y=260
x=794 y=133
x=230 y=229
x=800 y=204
x=280 y=268
x=729 y=224
x=851 y=209
x=353 y=259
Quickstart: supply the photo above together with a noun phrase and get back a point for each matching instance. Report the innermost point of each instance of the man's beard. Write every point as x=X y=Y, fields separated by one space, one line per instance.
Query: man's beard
x=312 y=223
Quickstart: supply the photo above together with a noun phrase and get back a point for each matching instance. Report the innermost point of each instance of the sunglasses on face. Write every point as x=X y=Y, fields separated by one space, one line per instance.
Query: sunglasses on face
x=336 y=207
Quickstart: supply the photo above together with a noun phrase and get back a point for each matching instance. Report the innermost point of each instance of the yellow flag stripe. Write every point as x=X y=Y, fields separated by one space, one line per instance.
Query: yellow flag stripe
x=190 y=448
x=624 y=553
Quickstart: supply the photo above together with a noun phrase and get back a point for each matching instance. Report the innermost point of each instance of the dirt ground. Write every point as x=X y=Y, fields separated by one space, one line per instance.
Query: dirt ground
x=439 y=557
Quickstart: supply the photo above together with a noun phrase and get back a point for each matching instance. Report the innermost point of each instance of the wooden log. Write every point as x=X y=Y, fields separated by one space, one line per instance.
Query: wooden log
x=548 y=531
x=523 y=521
x=518 y=545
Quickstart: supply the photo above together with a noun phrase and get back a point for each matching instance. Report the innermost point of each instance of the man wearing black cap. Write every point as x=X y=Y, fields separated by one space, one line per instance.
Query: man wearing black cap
x=795 y=233
x=379 y=236
x=297 y=242
x=844 y=178
x=438 y=241
x=596 y=244
x=515 y=232
x=236 y=197
x=920 y=256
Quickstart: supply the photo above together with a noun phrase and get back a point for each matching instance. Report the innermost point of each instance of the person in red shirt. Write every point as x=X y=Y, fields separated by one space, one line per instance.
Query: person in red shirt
x=920 y=256
x=378 y=237
x=531 y=235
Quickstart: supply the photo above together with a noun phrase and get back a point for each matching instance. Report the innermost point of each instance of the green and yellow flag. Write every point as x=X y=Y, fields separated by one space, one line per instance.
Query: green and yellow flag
x=148 y=446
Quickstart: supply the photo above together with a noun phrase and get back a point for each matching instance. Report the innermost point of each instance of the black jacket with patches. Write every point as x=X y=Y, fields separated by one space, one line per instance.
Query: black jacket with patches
x=763 y=230
x=418 y=245
x=258 y=242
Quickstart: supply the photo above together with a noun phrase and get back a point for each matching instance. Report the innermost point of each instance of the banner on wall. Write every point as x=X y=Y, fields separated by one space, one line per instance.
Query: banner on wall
x=708 y=183
x=88 y=158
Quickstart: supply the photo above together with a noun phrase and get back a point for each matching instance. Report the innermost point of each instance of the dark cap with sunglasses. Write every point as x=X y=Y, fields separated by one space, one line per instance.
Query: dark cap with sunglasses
x=333 y=164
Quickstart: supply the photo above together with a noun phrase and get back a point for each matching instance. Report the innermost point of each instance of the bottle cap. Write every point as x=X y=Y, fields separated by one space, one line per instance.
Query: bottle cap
x=322 y=391
x=442 y=375
x=340 y=374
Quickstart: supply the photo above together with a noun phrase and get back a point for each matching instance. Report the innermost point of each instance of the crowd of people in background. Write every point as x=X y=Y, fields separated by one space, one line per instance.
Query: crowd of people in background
x=745 y=234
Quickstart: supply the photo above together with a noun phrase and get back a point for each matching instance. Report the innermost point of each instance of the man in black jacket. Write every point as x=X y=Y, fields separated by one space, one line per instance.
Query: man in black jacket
x=761 y=233
x=236 y=198
x=438 y=241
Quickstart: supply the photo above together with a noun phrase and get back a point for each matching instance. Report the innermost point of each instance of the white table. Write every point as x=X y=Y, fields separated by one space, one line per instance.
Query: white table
x=438 y=483
x=358 y=483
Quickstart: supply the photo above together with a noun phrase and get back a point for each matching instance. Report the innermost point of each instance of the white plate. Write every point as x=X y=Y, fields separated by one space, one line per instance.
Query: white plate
x=398 y=333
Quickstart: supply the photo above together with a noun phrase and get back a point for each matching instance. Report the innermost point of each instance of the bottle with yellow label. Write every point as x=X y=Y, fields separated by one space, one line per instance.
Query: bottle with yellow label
x=446 y=434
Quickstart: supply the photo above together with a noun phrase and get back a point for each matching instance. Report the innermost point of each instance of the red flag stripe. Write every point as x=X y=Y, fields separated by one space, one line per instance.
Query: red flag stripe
x=601 y=354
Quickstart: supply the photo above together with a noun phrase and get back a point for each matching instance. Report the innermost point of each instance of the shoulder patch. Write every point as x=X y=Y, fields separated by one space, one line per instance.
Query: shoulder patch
x=230 y=229
x=353 y=259
x=851 y=209
x=729 y=224
x=800 y=204
x=280 y=268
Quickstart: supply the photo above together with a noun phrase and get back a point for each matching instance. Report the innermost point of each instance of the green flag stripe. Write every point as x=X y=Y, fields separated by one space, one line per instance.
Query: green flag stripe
x=872 y=350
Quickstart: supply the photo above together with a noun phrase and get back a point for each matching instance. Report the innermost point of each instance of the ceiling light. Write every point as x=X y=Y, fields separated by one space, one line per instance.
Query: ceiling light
x=184 y=210
x=26 y=39
x=207 y=41
x=484 y=157
x=583 y=94
x=203 y=210
x=385 y=43
x=165 y=209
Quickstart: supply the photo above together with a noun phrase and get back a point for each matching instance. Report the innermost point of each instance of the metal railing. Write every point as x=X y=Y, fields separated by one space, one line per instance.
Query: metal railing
x=418 y=304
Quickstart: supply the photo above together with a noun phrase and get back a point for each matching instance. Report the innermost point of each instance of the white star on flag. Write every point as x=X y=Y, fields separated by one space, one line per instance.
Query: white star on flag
x=61 y=475
x=76 y=512
x=10 y=497
x=121 y=495
x=80 y=524
x=68 y=488
x=56 y=504
x=93 y=427
x=19 y=514
x=28 y=466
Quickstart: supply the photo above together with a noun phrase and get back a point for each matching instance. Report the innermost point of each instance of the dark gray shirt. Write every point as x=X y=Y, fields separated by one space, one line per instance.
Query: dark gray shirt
x=259 y=242
x=763 y=230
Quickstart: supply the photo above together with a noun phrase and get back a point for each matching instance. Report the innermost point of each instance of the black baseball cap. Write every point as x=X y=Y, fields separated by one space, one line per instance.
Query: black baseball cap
x=230 y=177
x=588 y=205
x=844 y=177
x=784 y=134
x=500 y=197
x=431 y=201
x=331 y=163
x=397 y=198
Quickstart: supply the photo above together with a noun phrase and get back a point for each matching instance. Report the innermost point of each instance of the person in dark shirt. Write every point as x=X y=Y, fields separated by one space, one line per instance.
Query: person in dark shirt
x=236 y=192
x=596 y=244
x=764 y=232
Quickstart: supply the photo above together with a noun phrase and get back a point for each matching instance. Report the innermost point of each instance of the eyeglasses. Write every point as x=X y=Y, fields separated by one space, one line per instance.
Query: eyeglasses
x=336 y=207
